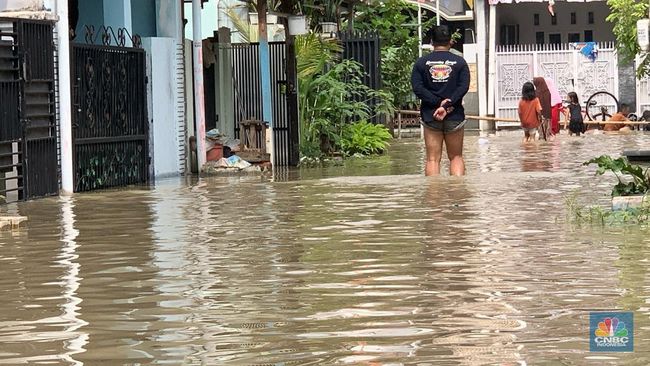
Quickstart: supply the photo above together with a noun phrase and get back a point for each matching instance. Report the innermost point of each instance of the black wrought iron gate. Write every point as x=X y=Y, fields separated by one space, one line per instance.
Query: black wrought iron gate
x=28 y=133
x=110 y=126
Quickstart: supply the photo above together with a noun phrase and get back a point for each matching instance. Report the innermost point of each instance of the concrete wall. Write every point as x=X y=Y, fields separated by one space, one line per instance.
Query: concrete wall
x=162 y=109
x=117 y=14
x=12 y=5
x=523 y=14
x=168 y=19
x=143 y=17
x=91 y=12
x=627 y=84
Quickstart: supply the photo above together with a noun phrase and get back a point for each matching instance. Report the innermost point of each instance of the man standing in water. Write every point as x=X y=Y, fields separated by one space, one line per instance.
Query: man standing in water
x=441 y=80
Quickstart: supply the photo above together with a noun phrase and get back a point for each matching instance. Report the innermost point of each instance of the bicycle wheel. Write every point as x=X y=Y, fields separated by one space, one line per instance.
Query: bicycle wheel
x=601 y=117
x=600 y=106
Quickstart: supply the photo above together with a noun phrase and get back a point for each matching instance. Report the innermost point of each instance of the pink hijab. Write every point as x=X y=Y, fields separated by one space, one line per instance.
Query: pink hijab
x=555 y=94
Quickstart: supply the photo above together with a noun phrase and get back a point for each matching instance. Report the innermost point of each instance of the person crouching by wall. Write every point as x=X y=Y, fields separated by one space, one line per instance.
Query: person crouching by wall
x=620 y=116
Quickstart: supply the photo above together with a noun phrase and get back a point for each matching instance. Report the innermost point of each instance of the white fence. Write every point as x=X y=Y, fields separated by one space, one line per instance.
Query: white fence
x=642 y=92
x=570 y=70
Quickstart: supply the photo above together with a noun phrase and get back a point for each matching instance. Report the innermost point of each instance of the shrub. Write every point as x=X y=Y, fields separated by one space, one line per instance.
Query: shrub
x=640 y=180
x=364 y=138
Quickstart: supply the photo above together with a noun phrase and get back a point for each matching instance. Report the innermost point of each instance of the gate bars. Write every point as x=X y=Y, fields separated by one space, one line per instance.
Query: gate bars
x=28 y=130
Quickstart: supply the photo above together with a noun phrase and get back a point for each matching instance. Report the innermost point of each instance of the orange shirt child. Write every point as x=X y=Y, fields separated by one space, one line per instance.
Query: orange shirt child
x=529 y=111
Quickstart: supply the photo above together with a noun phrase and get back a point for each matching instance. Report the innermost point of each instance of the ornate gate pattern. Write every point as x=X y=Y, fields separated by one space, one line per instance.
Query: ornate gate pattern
x=570 y=70
x=110 y=127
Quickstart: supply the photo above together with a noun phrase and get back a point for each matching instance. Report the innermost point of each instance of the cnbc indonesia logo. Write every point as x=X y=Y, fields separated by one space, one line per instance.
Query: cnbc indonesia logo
x=611 y=332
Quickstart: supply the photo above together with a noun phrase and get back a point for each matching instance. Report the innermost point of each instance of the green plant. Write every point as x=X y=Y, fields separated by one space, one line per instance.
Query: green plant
x=331 y=94
x=598 y=215
x=396 y=73
x=624 y=15
x=330 y=99
x=364 y=138
x=640 y=180
x=456 y=35
x=314 y=54
x=395 y=21
x=322 y=11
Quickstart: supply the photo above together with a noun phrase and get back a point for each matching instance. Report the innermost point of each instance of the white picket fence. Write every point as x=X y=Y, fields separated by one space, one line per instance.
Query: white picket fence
x=570 y=70
x=642 y=93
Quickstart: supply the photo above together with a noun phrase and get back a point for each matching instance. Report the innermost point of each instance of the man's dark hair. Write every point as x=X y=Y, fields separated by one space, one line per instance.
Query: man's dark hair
x=528 y=91
x=440 y=35
x=624 y=108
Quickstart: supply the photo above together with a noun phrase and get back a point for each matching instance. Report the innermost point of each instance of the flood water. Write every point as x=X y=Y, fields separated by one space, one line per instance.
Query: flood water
x=368 y=263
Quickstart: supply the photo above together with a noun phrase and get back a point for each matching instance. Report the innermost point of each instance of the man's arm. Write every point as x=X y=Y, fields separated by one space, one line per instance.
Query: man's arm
x=420 y=90
x=463 y=85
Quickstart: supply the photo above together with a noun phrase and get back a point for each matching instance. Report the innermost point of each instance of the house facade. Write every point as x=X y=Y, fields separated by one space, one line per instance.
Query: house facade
x=119 y=86
x=533 y=23
x=519 y=40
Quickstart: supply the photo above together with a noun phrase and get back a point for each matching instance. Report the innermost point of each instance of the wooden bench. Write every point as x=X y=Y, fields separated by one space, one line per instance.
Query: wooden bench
x=406 y=119
x=253 y=141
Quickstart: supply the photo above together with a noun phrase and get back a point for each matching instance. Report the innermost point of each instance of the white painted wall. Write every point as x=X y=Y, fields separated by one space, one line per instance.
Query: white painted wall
x=522 y=14
x=168 y=19
x=21 y=5
x=163 y=92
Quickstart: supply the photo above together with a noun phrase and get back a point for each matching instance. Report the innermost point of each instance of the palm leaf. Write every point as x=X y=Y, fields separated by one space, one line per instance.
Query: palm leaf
x=314 y=53
x=248 y=33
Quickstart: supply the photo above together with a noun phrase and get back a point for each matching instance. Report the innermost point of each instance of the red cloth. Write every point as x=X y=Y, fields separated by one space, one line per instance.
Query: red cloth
x=555 y=118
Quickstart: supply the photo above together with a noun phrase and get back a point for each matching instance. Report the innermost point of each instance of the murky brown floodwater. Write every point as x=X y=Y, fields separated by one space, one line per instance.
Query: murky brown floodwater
x=368 y=263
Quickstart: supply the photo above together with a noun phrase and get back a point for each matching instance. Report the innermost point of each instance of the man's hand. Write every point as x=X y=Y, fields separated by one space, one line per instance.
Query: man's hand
x=445 y=102
x=440 y=114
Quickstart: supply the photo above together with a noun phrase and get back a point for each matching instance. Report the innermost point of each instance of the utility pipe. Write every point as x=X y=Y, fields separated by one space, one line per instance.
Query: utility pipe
x=199 y=105
x=420 y=29
x=65 y=97
x=492 y=59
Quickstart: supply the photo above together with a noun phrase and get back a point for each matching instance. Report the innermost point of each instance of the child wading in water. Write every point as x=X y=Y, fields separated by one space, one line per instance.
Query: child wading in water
x=573 y=112
x=530 y=111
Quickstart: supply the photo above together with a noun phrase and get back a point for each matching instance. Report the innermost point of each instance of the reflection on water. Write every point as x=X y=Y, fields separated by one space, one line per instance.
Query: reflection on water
x=365 y=263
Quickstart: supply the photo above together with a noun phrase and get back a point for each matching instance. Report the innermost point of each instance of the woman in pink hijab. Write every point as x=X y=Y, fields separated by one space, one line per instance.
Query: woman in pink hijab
x=556 y=106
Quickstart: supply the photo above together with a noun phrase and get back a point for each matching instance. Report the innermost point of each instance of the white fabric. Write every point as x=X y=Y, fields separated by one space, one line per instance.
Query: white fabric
x=555 y=94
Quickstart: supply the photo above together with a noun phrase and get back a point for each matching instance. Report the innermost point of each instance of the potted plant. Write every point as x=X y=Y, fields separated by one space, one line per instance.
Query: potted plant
x=330 y=16
x=627 y=193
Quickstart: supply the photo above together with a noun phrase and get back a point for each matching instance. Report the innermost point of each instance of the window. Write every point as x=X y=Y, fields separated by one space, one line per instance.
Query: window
x=590 y=17
x=536 y=19
x=510 y=34
x=539 y=37
x=554 y=20
x=555 y=38
x=589 y=36
x=574 y=37
x=573 y=18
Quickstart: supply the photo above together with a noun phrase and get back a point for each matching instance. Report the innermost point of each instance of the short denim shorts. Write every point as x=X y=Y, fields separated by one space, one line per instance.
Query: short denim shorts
x=445 y=126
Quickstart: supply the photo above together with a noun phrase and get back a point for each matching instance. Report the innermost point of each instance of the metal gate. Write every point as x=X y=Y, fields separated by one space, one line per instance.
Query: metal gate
x=365 y=48
x=248 y=97
x=110 y=127
x=28 y=131
x=570 y=70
